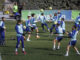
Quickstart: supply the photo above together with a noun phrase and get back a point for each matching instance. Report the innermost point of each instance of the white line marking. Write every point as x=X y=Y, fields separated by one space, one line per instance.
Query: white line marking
x=0 y=57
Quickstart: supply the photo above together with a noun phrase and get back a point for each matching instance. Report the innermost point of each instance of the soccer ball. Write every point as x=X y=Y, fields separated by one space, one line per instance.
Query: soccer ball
x=37 y=37
x=50 y=8
x=24 y=27
x=4 y=27
x=23 y=20
x=41 y=10
x=55 y=22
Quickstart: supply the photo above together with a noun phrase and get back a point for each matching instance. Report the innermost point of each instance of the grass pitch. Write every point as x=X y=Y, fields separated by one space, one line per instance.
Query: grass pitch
x=37 y=49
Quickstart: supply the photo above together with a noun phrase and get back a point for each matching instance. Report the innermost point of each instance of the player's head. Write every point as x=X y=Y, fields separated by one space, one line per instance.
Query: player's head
x=32 y=14
x=55 y=14
x=58 y=24
x=3 y=18
x=62 y=19
x=59 y=11
x=74 y=27
x=42 y=14
x=19 y=22
x=29 y=17
x=15 y=3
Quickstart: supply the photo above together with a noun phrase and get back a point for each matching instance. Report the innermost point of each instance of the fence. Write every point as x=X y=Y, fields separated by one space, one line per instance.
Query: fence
x=68 y=14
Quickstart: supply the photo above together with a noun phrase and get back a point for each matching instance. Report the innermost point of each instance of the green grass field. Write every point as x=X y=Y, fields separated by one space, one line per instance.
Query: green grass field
x=37 y=49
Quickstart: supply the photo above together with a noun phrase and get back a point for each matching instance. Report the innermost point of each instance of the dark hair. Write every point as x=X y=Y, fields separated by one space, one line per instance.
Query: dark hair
x=74 y=27
x=18 y=21
x=42 y=13
x=62 y=19
x=28 y=16
x=3 y=18
x=58 y=24
x=32 y=14
x=55 y=14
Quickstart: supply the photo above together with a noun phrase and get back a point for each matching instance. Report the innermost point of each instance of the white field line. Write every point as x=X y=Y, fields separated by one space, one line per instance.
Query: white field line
x=0 y=57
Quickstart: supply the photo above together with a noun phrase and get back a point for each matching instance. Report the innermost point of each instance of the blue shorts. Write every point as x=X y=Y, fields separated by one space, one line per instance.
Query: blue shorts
x=59 y=38
x=72 y=43
x=59 y=22
x=76 y=25
x=34 y=27
x=28 y=29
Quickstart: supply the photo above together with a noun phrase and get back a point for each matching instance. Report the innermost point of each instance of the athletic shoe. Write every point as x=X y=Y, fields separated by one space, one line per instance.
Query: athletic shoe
x=66 y=55
x=16 y=53
x=24 y=52
x=27 y=40
x=78 y=53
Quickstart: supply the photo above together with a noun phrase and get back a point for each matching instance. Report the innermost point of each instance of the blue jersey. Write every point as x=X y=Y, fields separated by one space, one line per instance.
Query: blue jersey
x=77 y=20
x=55 y=18
x=19 y=29
x=59 y=30
x=42 y=19
x=59 y=16
x=28 y=23
x=63 y=25
x=2 y=24
x=32 y=20
x=73 y=35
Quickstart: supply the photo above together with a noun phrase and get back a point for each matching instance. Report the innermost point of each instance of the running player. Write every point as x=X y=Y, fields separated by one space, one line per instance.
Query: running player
x=42 y=19
x=59 y=37
x=73 y=36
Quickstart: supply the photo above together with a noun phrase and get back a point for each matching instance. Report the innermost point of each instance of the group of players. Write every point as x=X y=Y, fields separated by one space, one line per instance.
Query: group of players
x=58 y=24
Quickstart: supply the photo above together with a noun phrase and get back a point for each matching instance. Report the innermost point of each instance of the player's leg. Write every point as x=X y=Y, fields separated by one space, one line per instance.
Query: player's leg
x=0 y=38
x=29 y=33
x=17 y=44
x=59 y=45
x=59 y=42
x=54 y=44
x=23 y=49
x=52 y=28
x=29 y=36
x=42 y=25
x=3 y=38
x=67 y=52
x=47 y=26
x=76 y=50
x=37 y=32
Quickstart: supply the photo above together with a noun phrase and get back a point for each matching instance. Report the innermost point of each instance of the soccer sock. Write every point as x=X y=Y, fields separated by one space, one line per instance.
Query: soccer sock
x=54 y=46
x=23 y=49
x=37 y=34
x=77 y=51
x=58 y=47
x=16 y=49
x=67 y=52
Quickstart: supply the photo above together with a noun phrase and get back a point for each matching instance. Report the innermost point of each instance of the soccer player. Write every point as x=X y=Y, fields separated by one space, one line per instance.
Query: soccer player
x=34 y=25
x=63 y=24
x=28 y=26
x=59 y=15
x=42 y=18
x=2 y=31
x=59 y=37
x=15 y=9
x=19 y=30
x=54 y=20
x=77 y=20
x=73 y=41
